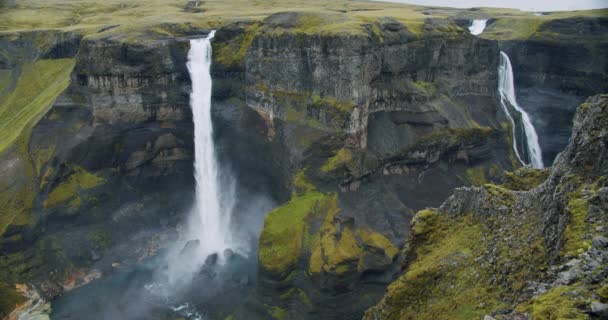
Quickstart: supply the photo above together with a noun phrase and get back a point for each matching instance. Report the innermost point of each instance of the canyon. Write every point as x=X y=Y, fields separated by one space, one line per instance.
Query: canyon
x=342 y=126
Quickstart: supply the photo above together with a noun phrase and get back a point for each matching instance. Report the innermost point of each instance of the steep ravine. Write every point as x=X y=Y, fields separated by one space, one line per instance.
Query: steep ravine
x=351 y=134
x=364 y=134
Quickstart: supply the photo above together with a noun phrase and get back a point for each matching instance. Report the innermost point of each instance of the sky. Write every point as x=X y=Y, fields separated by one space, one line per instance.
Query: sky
x=526 y=5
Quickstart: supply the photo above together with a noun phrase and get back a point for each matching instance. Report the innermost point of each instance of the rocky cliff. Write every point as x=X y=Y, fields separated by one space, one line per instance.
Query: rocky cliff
x=350 y=120
x=528 y=249
x=360 y=135
x=112 y=155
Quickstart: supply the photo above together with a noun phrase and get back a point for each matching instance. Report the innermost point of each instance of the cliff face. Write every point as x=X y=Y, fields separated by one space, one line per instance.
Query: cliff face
x=555 y=70
x=527 y=249
x=358 y=135
x=351 y=129
x=111 y=156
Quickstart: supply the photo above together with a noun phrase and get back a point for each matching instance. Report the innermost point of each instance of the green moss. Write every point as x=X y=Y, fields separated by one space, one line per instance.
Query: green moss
x=525 y=178
x=325 y=24
x=41 y=157
x=464 y=266
x=285 y=229
x=424 y=222
x=378 y=241
x=499 y=196
x=79 y=180
x=9 y=299
x=339 y=252
x=39 y=84
x=341 y=157
x=424 y=86
x=440 y=284
x=278 y=313
x=556 y=304
x=303 y=297
x=476 y=176
x=512 y=28
x=603 y=292
x=377 y=33
x=332 y=103
x=308 y=109
x=576 y=238
x=16 y=206
x=233 y=53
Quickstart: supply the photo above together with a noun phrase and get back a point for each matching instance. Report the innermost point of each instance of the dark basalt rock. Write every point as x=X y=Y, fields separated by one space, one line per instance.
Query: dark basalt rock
x=211 y=259
x=387 y=107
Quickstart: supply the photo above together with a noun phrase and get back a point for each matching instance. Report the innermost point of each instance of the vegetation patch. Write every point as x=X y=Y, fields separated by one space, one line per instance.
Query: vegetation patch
x=278 y=313
x=378 y=241
x=525 y=178
x=39 y=84
x=78 y=180
x=444 y=281
x=285 y=228
x=557 y=303
x=577 y=239
x=476 y=176
x=339 y=250
x=232 y=53
x=463 y=267
x=341 y=158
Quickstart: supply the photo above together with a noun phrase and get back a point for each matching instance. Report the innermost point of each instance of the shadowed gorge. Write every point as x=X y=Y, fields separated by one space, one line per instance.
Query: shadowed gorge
x=296 y=159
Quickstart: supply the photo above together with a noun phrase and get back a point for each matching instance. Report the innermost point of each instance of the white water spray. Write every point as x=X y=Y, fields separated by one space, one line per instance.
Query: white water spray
x=477 y=27
x=506 y=88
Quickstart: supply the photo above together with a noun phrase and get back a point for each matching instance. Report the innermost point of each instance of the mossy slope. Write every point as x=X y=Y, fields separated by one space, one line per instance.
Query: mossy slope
x=486 y=249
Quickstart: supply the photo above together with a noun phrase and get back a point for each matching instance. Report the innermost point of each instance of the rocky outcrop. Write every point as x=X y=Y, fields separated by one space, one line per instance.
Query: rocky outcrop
x=555 y=70
x=509 y=254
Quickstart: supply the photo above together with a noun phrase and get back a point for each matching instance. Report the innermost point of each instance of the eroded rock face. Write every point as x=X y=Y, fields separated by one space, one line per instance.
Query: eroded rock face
x=534 y=254
x=340 y=81
x=363 y=127
x=111 y=157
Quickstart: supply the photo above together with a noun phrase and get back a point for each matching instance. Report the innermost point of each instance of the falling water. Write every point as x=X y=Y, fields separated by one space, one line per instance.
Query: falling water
x=211 y=210
x=506 y=88
x=208 y=230
x=477 y=27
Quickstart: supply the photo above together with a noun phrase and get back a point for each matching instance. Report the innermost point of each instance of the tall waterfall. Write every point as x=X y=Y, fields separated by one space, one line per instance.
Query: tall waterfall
x=477 y=27
x=208 y=230
x=506 y=88
x=212 y=210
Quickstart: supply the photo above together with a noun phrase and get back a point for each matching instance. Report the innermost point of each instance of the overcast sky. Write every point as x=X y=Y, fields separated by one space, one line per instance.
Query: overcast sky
x=527 y=5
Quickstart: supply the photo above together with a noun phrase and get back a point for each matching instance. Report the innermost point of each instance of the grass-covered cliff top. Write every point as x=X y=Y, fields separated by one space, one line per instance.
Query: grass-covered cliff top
x=341 y=16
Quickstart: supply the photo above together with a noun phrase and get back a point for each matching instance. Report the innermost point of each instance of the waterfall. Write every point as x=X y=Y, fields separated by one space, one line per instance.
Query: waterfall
x=207 y=232
x=211 y=210
x=477 y=27
x=506 y=88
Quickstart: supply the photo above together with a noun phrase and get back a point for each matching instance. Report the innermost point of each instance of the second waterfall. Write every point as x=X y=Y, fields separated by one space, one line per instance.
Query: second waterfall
x=506 y=89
